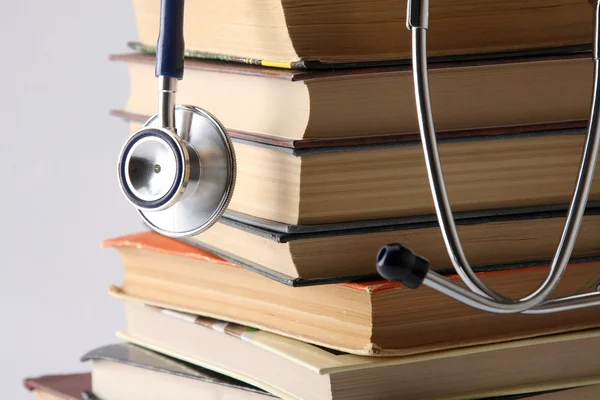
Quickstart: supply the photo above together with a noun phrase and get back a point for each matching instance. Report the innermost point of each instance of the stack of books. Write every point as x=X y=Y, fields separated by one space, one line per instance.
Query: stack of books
x=281 y=298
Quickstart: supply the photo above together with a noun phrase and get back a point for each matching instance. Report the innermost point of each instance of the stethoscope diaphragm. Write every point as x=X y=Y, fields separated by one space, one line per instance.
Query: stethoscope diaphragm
x=180 y=184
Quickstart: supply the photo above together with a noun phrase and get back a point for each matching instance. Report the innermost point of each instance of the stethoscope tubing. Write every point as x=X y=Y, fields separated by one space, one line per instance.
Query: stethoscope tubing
x=477 y=294
x=170 y=46
x=170 y=51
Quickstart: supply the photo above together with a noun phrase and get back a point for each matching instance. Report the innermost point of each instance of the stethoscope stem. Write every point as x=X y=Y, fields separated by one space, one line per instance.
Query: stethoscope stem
x=170 y=49
x=477 y=294
x=167 y=88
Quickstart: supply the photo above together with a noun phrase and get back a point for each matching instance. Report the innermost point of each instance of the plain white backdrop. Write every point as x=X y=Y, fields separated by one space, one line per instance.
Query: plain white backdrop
x=59 y=192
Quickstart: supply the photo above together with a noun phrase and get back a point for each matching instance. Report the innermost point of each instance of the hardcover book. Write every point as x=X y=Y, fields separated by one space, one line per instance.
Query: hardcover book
x=126 y=371
x=371 y=318
x=347 y=180
x=322 y=253
x=61 y=387
x=292 y=369
x=305 y=34
x=378 y=100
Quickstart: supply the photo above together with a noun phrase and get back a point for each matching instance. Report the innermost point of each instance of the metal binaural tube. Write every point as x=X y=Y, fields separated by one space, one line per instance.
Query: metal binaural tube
x=477 y=294
x=596 y=44
x=435 y=170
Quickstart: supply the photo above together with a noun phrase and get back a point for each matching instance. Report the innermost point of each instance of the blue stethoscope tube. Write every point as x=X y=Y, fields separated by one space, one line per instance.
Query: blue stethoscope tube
x=170 y=47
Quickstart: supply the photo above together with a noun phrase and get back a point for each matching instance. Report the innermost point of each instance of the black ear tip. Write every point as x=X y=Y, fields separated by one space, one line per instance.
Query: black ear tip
x=396 y=262
x=383 y=251
x=394 y=255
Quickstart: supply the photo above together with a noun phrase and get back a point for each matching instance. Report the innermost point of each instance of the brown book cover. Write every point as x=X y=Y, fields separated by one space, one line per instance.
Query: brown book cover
x=299 y=147
x=320 y=65
x=67 y=387
x=345 y=94
x=303 y=75
x=296 y=75
x=283 y=233
x=374 y=317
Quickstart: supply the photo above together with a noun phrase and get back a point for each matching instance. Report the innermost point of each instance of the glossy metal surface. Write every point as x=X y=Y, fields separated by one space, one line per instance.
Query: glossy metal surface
x=212 y=171
x=152 y=169
x=167 y=88
x=478 y=295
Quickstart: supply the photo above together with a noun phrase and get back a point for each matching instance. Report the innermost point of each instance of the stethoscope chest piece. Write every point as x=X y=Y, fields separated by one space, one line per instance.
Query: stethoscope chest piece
x=180 y=183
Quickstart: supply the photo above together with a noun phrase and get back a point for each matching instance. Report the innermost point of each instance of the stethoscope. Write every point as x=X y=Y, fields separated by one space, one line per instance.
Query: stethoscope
x=179 y=172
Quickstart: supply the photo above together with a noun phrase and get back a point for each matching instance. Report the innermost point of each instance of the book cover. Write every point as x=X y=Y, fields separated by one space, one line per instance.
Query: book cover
x=319 y=363
x=302 y=147
x=376 y=317
x=65 y=386
x=129 y=354
x=323 y=65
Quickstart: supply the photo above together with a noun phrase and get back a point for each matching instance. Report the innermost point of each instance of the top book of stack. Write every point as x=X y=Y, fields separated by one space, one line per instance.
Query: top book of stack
x=318 y=33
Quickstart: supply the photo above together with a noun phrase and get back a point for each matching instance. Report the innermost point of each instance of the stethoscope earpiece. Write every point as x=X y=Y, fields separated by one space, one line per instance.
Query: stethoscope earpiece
x=179 y=170
x=396 y=262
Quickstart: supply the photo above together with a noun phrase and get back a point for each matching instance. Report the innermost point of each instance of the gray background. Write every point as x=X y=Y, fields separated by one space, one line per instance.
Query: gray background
x=60 y=196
